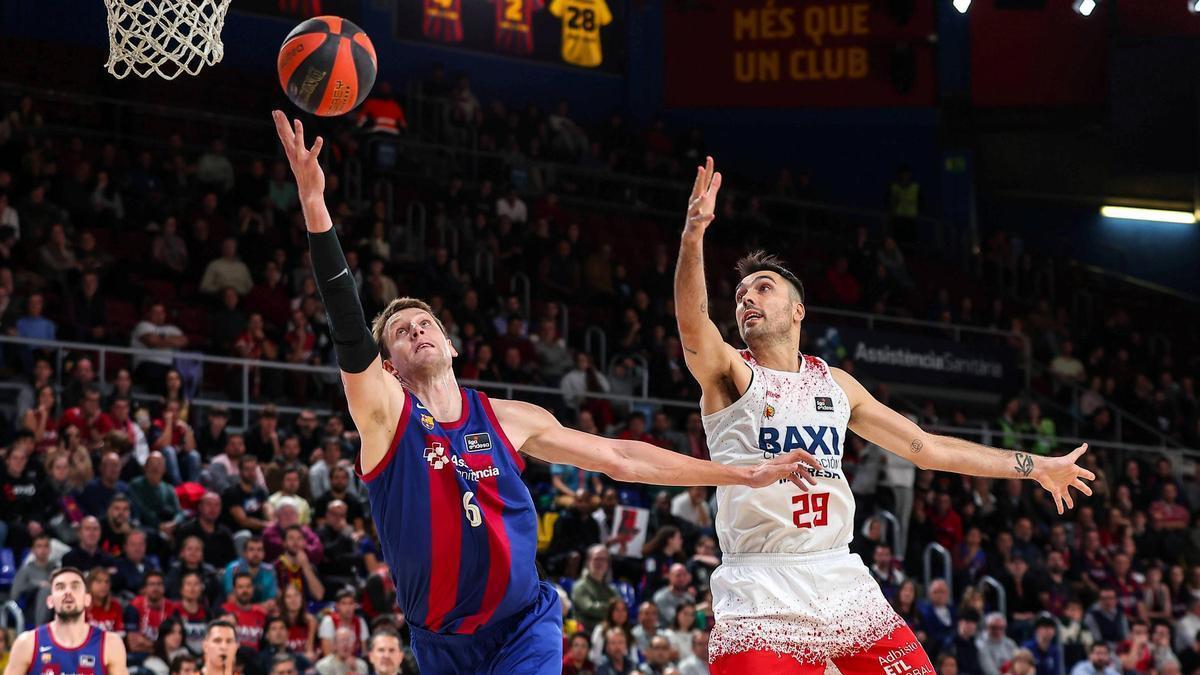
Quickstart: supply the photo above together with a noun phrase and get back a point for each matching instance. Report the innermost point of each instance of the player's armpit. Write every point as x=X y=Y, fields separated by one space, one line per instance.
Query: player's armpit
x=376 y=400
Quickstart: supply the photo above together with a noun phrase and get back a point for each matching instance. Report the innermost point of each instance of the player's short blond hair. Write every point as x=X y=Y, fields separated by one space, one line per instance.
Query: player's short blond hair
x=393 y=308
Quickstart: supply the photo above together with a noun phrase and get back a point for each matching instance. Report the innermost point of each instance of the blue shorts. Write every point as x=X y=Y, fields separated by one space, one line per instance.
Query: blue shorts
x=528 y=643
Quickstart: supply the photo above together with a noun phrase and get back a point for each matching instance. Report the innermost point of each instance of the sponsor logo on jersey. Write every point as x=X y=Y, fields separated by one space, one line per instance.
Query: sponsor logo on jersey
x=46 y=655
x=824 y=404
x=769 y=411
x=825 y=440
x=87 y=661
x=427 y=421
x=481 y=442
x=436 y=456
x=772 y=394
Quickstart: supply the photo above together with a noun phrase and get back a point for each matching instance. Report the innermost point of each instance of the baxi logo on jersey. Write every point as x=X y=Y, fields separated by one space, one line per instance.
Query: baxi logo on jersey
x=824 y=443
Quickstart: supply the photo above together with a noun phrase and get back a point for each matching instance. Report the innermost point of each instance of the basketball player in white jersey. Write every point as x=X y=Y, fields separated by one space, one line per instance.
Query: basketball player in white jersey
x=789 y=596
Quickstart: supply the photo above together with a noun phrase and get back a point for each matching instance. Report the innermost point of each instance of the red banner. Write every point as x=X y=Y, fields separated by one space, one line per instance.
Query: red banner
x=802 y=53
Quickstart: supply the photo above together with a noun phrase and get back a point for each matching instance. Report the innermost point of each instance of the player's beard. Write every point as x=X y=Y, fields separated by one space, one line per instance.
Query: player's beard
x=68 y=616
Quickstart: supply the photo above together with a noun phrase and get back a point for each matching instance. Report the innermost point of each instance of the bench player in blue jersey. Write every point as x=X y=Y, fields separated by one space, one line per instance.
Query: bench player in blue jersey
x=442 y=466
x=68 y=645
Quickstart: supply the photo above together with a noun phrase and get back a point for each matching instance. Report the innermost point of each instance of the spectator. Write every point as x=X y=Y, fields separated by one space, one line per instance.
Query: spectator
x=658 y=659
x=294 y=568
x=962 y=645
x=344 y=617
x=1065 y=367
x=133 y=564
x=676 y=594
x=679 y=634
x=89 y=311
x=116 y=525
x=275 y=646
x=338 y=489
x=301 y=625
x=87 y=554
x=937 y=614
x=213 y=169
x=169 y=250
x=616 y=615
x=1106 y=621
x=616 y=655
x=212 y=435
x=31 y=585
x=576 y=661
x=340 y=658
x=206 y=526
x=167 y=646
x=155 y=504
x=1099 y=662
x=1045 y=433
x=104 y=612
x=341 y=558
x=287 y=516
x=191 y=559
x=1189 y=659
x=263 y=439
x=889 y=576
x=244 y=504
x=1043 y=648
x=843 y=287
x=996 y=649
x=34 y=326
x=1135 y=652
x=146 y=613
x=511 y=206
x=252 y=562
x=692 y=505
x=592 y=591
x=20 y=493
x=695 y=662
x=289 y=486
x=249 y=618
x=647 y=626
x=158 y=337
x=193 y=610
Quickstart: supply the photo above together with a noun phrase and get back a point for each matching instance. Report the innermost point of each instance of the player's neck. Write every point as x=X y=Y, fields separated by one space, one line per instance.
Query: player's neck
x=777 y=355
x=440 y=394
x=69 y=633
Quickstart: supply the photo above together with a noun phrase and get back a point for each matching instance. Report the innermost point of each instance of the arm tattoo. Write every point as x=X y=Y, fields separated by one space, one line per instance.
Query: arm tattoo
x=704 y=308
x=1024 y=465
x=917 y=445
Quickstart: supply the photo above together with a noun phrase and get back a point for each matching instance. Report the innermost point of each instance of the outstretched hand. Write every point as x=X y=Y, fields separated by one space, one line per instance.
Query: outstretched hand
x=310 y=178
x=793 y=466
x=703 y=202
x=1059 y=474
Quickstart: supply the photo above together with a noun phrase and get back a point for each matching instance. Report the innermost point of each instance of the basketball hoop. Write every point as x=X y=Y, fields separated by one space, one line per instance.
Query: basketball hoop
x=164 y=37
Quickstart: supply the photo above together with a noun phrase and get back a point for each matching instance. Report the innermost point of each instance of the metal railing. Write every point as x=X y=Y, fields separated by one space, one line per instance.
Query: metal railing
x=891 y=533
x=245 y=402
x=12 y=616
x=932 y=549
x=1001 y=596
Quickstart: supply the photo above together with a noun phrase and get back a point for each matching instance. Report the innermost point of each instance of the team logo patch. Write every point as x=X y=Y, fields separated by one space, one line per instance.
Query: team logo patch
x=436 y=456
x=769 y=411
x=87 y=661
x=824 y=404
x=481 y=442
x=427 y=421
x=46 y=657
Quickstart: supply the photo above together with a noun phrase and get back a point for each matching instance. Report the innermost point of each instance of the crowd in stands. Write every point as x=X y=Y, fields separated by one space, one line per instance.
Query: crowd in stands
x=181 y=513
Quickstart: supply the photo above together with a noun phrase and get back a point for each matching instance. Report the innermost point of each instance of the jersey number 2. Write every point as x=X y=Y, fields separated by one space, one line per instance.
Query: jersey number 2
x=806 y=504
x=474 y=516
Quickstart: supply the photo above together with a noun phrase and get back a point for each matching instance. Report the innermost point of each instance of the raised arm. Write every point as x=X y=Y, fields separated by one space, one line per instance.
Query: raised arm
x=712 y=361
x=375 y=397
x=897 y=434
x=537 y=433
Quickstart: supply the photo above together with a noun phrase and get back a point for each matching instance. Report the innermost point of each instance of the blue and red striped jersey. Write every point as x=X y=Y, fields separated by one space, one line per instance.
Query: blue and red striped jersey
x=456 y=523
x=51 y=658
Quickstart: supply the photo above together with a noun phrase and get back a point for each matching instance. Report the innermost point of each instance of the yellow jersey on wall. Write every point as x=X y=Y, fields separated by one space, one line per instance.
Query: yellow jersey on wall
x=581 y=23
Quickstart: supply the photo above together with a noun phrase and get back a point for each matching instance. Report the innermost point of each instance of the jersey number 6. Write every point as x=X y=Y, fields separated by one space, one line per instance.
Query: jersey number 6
x=473 y=514
x=815 y=504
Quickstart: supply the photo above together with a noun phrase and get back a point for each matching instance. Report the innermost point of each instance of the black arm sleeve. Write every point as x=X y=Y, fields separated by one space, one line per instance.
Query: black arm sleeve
x=352 y=339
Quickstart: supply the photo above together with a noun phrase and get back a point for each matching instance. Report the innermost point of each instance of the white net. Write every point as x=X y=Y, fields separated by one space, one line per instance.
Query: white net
x=164 y=37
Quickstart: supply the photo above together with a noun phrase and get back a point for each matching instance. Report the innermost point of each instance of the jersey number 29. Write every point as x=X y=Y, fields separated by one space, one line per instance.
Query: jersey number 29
x=815 y=505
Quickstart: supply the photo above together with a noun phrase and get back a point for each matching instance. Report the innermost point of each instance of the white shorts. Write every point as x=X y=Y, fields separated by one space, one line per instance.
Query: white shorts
x=813 y=607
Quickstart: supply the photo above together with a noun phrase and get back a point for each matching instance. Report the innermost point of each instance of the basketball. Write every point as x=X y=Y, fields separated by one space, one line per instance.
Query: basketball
x=327 y=66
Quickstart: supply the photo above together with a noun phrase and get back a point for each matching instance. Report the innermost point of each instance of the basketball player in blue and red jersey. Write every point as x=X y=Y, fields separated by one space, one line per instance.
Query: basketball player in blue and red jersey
x=514 y=24
x=789 y=595
x=68 y=645
x=442 y=466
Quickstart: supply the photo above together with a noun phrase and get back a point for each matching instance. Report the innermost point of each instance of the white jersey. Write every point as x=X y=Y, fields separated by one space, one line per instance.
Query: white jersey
x=805 y=411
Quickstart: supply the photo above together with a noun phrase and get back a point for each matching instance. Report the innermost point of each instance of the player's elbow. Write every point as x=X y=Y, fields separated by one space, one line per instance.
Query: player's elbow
x=617 y=463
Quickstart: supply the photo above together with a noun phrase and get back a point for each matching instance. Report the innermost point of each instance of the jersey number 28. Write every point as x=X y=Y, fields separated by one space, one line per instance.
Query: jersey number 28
x=815 y=505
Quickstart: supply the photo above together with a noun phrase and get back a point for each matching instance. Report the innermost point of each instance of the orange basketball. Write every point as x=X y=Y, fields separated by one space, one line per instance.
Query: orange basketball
x=327 y=66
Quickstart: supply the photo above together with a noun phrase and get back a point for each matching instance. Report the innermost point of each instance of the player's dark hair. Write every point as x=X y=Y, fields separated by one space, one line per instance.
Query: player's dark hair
x=218 y=623
x=382 y=632
x=67 y=570
x=761 y=261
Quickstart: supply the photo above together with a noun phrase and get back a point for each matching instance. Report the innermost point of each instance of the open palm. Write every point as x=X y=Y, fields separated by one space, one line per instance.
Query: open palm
x=1059 y=474
x=703 y=201
x=310 y=178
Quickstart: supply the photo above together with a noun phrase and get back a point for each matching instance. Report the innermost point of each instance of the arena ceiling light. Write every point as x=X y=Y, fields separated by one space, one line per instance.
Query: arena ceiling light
x=1194 y=6
x=1152 y=215
x=1086 y=7
x=963 y=5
